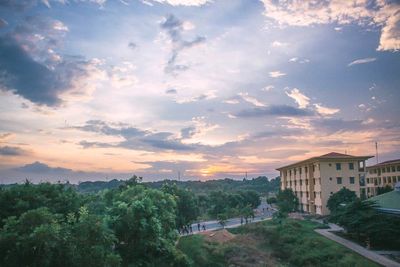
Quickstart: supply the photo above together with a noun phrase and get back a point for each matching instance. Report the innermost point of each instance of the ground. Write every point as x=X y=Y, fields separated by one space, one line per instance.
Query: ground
x=292 y=243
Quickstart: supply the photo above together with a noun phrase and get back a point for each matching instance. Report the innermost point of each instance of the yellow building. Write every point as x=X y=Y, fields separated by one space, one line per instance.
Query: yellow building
x=315 y=179
x=381 y=175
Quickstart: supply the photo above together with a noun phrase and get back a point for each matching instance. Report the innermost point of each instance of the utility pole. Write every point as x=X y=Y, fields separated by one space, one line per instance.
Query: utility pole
x=376 y=152
x=179 y=176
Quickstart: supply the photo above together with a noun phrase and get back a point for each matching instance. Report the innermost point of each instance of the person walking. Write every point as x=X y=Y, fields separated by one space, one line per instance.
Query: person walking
x=204 y=226
x=198 y=226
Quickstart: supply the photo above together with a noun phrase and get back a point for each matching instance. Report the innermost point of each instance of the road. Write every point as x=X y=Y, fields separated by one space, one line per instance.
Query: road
x=262 y=212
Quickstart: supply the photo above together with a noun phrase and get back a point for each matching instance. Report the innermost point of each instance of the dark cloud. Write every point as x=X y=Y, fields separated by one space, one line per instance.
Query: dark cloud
x=174 y=28
x=11 y=151
x=132 y=45
x=3 y=23
x=188 y=132
x=134 y=138
x=171 y=91
x=274 y=110
x=30 y=66
x=38 y=167
x=335 y=125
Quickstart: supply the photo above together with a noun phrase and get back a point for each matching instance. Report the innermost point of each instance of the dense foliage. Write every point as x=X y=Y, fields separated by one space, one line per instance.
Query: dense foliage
x=340 y=199
x=130 y=225
x=52 y=225
x=364 y=223
x=260 y=184
x=291 y=243
x=287 y=201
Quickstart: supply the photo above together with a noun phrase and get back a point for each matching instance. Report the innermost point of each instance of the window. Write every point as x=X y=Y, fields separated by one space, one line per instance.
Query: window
x=339 y=180
x=315 y=195
x=306 y=182
x=393 y=168
x=338 y=166
x=301 y=182
x=379 y=172
x=387 y=169
x=330 y=178
x=383 y=170
x=300 y=170
x=384 y=180
x=305 y=169
x=294 y=171
x=351 y=166
x=398 y=168
x=389 y=179
x=351 y=180
x=313 y=168
x=330 y=164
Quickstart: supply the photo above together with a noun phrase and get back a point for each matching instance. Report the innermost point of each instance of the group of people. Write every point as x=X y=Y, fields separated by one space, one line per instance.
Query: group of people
x=188 y=229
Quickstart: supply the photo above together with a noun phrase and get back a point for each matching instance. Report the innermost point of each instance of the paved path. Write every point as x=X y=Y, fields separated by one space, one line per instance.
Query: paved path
x=263 y=212
x=356 y=248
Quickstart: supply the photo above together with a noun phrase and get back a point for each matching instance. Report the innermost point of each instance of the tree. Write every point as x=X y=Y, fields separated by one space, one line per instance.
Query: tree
x=383 y=190
x=222 y=219
x=287 y=201
x=143 y=220
x=187 y=209
x=340 y=199
x=271 y=200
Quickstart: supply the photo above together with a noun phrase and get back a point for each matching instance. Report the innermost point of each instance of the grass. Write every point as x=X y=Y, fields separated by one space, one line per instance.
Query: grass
x=292 y=243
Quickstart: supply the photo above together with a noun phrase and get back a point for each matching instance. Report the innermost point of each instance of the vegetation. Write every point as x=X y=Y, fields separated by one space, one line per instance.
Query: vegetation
x=292 y=243
x=287 y=201
x=366 y=225
x=340 y=199
x=260 y=184
x=383 y=190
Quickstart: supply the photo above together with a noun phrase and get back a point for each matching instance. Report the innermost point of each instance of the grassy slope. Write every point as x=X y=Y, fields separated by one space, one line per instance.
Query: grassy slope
x=294 y=243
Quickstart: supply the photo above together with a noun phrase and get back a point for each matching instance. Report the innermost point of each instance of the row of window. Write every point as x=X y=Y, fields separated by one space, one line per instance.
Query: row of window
x=294 y=183
x=300 y=170
x=339 y=180
x=385 y=169
x=300 y=194
x=339 y=166
x=380 y=180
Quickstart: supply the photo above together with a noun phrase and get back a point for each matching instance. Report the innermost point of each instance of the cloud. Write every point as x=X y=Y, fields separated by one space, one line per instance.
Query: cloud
x=325 y=110
x=174 y=29
x=276 y=74
x=31 y=68
x=11 y=151
x=205 y=96
x=301 y=99
x=171 y=91
x=38 y=167
x=251 y=100
x=275 y=110
x=133 y=138
x=279 y=44
x=301 y=61
x=3 y=23
x=362 y=61
x=382 y=13
x=184 y=2
x=132 y=45
x=268 y=88
x=232 y=101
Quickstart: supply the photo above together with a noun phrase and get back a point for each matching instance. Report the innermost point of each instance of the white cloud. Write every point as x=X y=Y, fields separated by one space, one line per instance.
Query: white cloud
x=279 y=44
x=384 y=14
x=231 y=101
x=276 y=74
x=268 y=88
x=362 y=61
x=184 y=2
x=251 y=100
x=296 y=59
x=302 y=100
x=325 y=110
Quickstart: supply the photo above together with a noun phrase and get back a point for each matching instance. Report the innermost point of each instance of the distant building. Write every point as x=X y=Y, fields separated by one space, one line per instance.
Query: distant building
x=315 y=179
x=389 y=202
x=383 y=174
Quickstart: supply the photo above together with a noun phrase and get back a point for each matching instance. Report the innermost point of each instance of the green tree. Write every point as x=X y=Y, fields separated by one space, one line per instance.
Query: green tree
x=143 y=220
x=287 y=201
x=187 y=209
x=383 y=190
x=340 y=199
x=222 y=219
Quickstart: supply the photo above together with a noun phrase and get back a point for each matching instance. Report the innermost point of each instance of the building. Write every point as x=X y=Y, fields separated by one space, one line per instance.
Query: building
x=383 y=174
x=389 y=202
x=315 y=179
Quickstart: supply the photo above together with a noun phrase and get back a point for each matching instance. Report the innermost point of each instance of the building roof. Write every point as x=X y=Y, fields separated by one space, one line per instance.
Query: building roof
x=331 y=155
x=388 y=201
x=394 y=161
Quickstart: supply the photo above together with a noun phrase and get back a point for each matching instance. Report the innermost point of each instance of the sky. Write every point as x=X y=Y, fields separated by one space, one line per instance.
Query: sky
x=103 y=89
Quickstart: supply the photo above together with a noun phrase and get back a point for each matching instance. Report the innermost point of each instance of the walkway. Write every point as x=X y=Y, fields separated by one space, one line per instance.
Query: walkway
x=373 y=256
x=262 y=213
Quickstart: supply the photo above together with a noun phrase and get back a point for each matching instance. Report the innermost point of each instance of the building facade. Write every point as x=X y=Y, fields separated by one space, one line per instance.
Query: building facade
x=380 y=175
x=314 y=180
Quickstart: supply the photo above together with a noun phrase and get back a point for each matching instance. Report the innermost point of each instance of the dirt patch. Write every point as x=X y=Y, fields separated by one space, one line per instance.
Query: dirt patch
x=221 y=236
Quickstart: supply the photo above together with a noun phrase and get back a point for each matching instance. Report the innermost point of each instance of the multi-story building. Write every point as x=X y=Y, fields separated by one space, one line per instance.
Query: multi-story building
x=315 y=179
x=383 y=174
